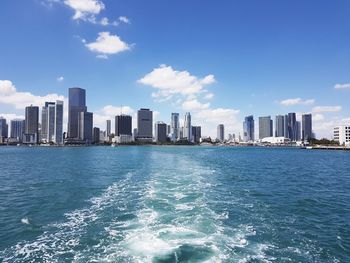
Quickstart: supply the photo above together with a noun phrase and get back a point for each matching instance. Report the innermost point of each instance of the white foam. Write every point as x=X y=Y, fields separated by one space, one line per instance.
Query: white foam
x=25 y=221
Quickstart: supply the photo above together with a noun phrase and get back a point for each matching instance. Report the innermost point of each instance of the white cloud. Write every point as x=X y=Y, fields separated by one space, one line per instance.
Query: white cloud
x=109 y=112
x=60 y=79
x=124 y=19
x=317 y=117
x=10 y=96
x=107 y=44
x=194 y=104
x=85 y=9
x=297 y=101
x=319 y=109
x=169 y=82
x=208 y=96
x=342 y=86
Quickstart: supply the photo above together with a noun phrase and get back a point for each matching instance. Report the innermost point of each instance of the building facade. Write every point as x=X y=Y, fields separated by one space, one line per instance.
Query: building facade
x=196 y=134
x=280 y=126
x=123 y=125
x=341 y=134
x=3 y=128
x=175 y=127
x=292 y=127
x=108 y=128
x=306 y=132
x=160 y=132
x=248 y=129
x=187 y=133
x=144 y=125
x=32 y=123
x=265 y=127
x=85 y=127
x=58 y=128
x=17 y=129
x=220 y=133
x=76 y=105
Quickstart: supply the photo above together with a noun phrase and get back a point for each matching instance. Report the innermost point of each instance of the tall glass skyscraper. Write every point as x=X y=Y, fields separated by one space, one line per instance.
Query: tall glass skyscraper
x=123 y=125
x=58 y=131
x=265 y=127
x=144 y=125
x=187 y=127
x=306 y=127
x=3 y=128
x=76 y=105
x=32 y=122
x=108 y=128
x=280 y=126
x=17 y=129
x=175 y=127
x=292 y=127
x=248 y=129
x=220 y=132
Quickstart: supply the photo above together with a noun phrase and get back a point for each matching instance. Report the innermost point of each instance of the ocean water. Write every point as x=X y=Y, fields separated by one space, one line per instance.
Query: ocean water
x=174 y=204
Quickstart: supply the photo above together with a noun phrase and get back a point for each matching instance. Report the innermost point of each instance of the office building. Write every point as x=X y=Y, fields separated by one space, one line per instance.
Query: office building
x=145 y=125
x=220 y=133
x=31 y=124
x=265 y=127
x=58 y=128
x=85 y=124
x=76 y=105
x=175 y=127
x=187 y=133
x=298 y=132
x=123 y=125
x=280 y=126
x=160 y=132
x=3 y=128
x=342 y=135
x=248 y=129
x=96 y=135
x=292 y=127
x=196 y=134
x=306 y=133
x=108 y=128
x=17 y=129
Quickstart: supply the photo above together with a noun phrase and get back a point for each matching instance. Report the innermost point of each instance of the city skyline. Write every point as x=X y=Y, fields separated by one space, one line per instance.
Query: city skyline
x=215 y=85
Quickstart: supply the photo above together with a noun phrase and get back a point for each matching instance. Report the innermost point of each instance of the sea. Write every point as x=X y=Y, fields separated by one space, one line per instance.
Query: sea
x=174 y=204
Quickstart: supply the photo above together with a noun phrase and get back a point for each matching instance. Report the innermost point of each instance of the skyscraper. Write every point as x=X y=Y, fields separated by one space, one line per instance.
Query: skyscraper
x=123 y=125
x=265 y=127
x=220 y=133
x=187 y=127
x=58 y=130
x=96 y=135
x=160 y=129
x=280 y=126
x=3 y=128
x=306 y=127
x=298 y=131
x=108 y=128
x=292 y=126
x=175 y=127
x=51 y=122
x=196 y=133
x=85 y=123
x=17 y=129
x=76 y=105
x=32 y=123
x=145 y=125
x=248 y=129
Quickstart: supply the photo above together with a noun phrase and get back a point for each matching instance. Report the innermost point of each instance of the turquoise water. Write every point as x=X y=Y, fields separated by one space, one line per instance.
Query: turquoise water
x=174 y=204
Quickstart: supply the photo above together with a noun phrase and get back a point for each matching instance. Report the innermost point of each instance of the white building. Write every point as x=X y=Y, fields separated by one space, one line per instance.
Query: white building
x=187 y=133
x=276 y=140
x=342 y=135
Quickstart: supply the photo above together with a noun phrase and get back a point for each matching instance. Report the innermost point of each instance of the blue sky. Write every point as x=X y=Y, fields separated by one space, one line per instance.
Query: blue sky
x=218 y=60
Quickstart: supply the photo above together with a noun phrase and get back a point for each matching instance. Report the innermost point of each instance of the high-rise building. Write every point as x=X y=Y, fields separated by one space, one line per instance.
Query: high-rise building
x=187 y=127
x=96 y=135
x=76 y=105
x=145 y=125
x=292 y=127
x=175 y=127
x=220 y=133
x=85 y=124
x=306 y=127
x=32 y=123
x=58 y=129
x=248 y=129
x=123 y=125
x=342 y=134
x=265 y=127
x=160 y=129
x=168 y=129
x=17 y=129
x=298 y=131
x=196 y=133
x=280 y=126
x=44 y=124
x=108 y=128
x=3 y=128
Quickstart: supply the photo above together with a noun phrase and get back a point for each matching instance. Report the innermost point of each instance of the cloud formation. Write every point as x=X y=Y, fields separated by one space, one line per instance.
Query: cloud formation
x=342 y=86
x=85 y=9
x=320 y=109
x=296 y=101
x=107 y=44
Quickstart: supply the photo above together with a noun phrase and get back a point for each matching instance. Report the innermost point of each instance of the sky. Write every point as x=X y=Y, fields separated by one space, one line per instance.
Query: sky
x=219 y=60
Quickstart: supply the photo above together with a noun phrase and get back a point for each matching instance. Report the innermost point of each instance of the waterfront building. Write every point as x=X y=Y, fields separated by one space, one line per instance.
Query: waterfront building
x=298 y=132
x=248 y=129
x=160 y=132
x=76 y=105
x=85 y=124
x=44 y=125
x=31 y=124
x=17 y=129
x=145 y=125
x=342 y=134
x=187 y=133
x=220 y=133
x=292 y=127
x=306 y=127
x=123 y=125
x=3 y=128
x=58 y=127
x=280 y=127
x=175 y=127
x=265 y=127
x=196 y=134
x=108 y=128
x=96 y=135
